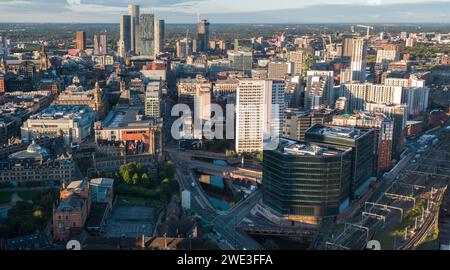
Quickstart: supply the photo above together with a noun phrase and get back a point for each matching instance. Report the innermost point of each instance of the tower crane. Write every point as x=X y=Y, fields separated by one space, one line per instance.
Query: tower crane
x=367 y=27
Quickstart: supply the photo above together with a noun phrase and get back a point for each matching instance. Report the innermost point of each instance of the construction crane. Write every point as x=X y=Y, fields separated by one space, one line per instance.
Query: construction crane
x=367 y=27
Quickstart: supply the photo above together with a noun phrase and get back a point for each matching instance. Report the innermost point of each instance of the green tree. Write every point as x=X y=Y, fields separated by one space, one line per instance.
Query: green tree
x=126 y=177
x=230 y=154
x=145 y=179
x=135 y=179
x=260 y=156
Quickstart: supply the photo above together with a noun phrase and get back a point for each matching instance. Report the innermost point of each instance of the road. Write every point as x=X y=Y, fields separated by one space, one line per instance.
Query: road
x=224 y=222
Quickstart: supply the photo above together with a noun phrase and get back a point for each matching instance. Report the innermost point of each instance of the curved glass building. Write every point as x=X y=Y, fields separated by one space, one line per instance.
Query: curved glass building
x=305 y=181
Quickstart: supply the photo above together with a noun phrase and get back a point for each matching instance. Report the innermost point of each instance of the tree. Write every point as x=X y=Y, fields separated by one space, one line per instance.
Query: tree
x=139 y=168
x=135 y=179
x=145 y=179
x=230 y=154
x=126 y=177
x=260 y=156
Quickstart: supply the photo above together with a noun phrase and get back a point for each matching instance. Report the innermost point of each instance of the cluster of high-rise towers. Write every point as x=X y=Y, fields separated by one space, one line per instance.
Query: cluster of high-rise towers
x=140 y=34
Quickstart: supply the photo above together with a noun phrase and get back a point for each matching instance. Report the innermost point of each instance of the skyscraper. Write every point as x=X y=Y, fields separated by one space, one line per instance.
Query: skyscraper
x=133 y=12
x=125 y=35
x=250 y=115
x=359 y=60
x=319 y=89
x=100 y=44
x=146 y=44
x=159 y=36
x=81 y=40
x=259 y=108
x=203 y=36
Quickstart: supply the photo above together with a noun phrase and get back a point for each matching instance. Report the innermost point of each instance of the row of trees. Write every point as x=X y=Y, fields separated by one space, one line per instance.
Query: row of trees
x=137 y=181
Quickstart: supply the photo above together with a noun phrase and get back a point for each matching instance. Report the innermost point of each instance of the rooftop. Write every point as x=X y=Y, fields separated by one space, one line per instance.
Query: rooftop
x=102 y=182
x=337 y=131
x=34 y=151
x=127 y=118
x=290 y=147
x=68 y=112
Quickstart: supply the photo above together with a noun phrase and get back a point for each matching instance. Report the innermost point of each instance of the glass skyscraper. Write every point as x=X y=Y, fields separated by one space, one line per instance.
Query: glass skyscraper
x=146 y=34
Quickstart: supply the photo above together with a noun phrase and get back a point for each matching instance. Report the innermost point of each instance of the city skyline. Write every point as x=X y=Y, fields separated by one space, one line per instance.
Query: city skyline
x=183 y=11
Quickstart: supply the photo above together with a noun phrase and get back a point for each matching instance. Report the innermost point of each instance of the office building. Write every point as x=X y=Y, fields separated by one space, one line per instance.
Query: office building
x=399 y=114
x=196 y=93
x=125 y=35
x=359 y=60
x=280 y=70
x=361 y=140
x=306 y=182
x=203 y=36
x=387 y=56
x=73 y=122
x=81 y=40
x=146 y=35
x=153 y=100
x=416 y=100
x=296 y=57
x=384 y=135
x=250 y=112
x=241 y=61
x=100 y=45
x=296 y=122
x=319 y=89
x=259 y=114
x=274 y=108
x=134 y=13
x=159 y=36
x=357 y=94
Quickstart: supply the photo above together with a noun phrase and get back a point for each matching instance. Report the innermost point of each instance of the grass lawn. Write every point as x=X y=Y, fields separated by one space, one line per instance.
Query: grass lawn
x=5 y=197
x=28 y=195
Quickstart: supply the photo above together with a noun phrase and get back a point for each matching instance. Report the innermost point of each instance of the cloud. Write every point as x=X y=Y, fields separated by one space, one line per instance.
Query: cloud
x=228 y=11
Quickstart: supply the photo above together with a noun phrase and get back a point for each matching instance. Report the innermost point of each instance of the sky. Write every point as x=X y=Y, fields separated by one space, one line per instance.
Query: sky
x=230 y=11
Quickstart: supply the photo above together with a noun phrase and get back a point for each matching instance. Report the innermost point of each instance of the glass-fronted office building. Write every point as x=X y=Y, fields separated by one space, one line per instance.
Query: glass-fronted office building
x=305 y=181
x=361 y=140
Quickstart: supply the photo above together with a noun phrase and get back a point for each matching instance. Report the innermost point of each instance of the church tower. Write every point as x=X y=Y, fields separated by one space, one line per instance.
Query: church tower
x=98 y=98
x=44 y=59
